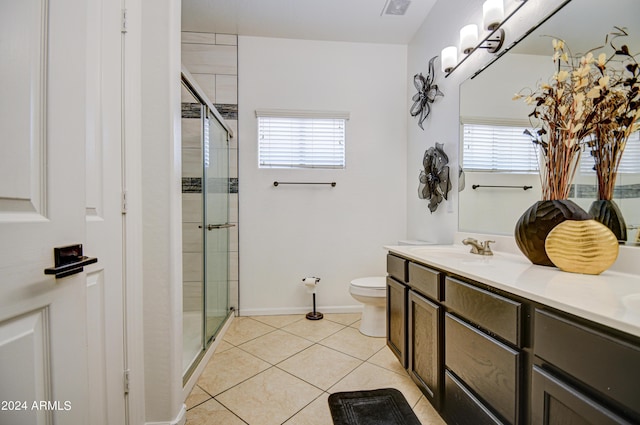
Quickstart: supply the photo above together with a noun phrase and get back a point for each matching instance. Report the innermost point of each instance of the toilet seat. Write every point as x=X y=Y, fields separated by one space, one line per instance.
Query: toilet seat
x=375 y=282
x=375 y=287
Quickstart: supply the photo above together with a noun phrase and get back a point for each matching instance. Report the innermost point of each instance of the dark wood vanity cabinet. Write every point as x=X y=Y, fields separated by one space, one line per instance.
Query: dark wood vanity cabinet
x=485 y=356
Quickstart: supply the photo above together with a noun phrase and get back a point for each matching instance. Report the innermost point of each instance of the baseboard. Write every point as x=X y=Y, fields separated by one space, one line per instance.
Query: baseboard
x=300 y=310
x=181 y=419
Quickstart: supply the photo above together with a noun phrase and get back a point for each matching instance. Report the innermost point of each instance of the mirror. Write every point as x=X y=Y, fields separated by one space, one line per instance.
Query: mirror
x=487 y=99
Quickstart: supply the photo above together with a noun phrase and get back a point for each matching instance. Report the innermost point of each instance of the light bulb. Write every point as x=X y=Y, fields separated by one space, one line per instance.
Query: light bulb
x=492 y=14
x=449 y=58
x=468 y=38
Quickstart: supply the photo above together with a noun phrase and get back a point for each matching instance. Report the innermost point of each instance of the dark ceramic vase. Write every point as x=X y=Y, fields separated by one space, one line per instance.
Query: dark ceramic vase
x=608 y=213
x=536 y=223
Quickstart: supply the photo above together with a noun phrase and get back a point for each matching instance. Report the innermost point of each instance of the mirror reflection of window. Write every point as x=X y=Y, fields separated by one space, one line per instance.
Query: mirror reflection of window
x=487 y=100
x=498 y=148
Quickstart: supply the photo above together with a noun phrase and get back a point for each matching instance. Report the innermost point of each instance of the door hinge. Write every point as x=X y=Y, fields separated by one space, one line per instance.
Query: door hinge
x=126 y=381
x=124 y=202
x=123 y=22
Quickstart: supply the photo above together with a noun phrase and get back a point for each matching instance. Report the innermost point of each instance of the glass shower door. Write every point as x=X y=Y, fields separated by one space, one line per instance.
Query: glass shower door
x=216 y=223
x=192 y=250
x=205 y=221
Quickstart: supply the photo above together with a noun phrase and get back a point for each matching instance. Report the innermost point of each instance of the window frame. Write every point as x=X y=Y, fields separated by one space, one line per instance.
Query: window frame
x=304 y=139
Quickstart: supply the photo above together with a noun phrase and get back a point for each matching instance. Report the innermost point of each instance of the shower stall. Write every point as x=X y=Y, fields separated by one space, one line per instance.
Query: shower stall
x=205 y=216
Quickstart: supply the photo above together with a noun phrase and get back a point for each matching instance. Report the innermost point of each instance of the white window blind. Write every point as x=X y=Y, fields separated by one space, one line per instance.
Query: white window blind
x=488 y=147
x=630 y=162
x=301 y=139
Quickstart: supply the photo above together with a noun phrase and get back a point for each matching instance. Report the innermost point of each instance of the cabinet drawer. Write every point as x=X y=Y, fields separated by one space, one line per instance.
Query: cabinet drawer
x=424 y=280
x=462 y=408
x=397 y=267
x=603 y=362
x=490 y=311
x=488 y=367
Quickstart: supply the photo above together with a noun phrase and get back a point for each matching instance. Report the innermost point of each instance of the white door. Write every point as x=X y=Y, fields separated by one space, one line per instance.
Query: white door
x=103 y=213
x=61 y=356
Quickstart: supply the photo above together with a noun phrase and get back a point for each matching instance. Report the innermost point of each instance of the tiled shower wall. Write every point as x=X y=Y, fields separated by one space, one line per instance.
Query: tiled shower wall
x=212 y=59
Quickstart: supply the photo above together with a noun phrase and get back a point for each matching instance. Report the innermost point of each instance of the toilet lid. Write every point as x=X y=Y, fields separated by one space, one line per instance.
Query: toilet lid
x=377 y=282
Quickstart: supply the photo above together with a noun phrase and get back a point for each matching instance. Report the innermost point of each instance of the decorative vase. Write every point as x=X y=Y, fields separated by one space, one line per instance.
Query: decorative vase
x=606 y=211
x=586 y=246
x=535 y=224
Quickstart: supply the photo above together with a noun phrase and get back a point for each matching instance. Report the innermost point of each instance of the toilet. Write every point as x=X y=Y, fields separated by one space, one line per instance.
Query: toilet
x=372 y=292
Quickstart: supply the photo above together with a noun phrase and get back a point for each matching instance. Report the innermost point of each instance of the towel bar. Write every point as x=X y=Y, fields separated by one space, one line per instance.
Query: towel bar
x=475 y=186
x=277 y=183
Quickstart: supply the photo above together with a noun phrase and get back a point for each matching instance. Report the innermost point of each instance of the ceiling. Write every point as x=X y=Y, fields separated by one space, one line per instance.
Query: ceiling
x=330 y=20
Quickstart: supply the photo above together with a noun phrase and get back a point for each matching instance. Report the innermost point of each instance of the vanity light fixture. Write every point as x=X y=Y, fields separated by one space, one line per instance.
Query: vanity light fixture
x=468 y=38
x=493 y=19
x=449 y=58
x=492 y=14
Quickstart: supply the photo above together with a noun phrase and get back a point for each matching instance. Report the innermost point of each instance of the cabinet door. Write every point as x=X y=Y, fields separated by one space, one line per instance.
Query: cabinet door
x=397 y=319
x=424 y=346
x=461 y=406
x=556 y=403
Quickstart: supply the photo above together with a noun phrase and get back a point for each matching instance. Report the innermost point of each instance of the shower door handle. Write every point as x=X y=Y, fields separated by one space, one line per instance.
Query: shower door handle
x=218 y=226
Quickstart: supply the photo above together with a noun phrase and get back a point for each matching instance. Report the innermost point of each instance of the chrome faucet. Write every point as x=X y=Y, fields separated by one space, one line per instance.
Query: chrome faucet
x=480 y=248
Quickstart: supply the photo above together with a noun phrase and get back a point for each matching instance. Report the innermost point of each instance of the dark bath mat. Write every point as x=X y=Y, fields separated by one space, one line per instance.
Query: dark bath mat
x=386 y=406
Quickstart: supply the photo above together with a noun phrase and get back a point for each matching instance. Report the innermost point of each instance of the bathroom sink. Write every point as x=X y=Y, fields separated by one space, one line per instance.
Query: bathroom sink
x=451 y=252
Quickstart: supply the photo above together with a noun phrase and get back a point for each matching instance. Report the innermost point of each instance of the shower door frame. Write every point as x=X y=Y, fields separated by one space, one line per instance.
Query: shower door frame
x=208 y=112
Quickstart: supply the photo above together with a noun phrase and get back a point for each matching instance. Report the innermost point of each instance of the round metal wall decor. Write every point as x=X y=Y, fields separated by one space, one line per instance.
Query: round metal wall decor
x=434 y=179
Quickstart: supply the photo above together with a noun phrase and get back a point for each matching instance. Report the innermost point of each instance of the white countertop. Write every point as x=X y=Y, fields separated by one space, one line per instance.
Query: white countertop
x=611 y=298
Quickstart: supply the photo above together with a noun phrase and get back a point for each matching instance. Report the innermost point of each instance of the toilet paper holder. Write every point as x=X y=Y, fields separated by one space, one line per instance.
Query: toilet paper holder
x=311 y=283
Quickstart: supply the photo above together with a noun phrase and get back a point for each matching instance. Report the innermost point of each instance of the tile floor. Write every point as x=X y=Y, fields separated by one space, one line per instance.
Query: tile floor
x=273 y=370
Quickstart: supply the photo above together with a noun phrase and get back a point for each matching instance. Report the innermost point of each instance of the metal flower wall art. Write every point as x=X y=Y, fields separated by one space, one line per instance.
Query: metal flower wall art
x=427 y=92
x=434 y=179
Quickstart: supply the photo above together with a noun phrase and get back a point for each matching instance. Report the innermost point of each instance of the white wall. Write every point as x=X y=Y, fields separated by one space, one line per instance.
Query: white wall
x=161 y=210
x=337 y=234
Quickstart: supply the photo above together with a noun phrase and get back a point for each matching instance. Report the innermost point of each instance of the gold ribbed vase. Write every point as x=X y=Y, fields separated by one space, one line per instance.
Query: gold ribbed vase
x=586 y=246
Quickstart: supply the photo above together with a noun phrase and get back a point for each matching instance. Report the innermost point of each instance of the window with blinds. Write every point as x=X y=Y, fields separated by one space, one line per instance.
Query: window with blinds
x=630 y=162
x=498 y=148
x=301 y=139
